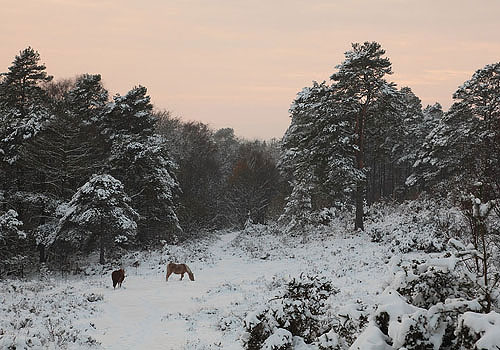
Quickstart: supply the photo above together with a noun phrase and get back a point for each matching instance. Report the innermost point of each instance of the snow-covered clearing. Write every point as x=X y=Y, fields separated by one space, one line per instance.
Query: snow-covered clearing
x=235 y=273
x=150 y=313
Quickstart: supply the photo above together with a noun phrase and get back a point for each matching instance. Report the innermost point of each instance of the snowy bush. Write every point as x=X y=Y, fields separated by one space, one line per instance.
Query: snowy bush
x=300 y=310
x=426 y=282
x=432 y=303
x=400 y=325
x=479 y=331
x=414 y=225
x=281 y=339
x=346 y=325
x=92 y=297
x=41 y=315
x=12 y=239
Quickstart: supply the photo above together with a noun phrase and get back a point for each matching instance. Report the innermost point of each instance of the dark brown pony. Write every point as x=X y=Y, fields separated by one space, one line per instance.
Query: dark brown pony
x=118 y=276
x=179 y=269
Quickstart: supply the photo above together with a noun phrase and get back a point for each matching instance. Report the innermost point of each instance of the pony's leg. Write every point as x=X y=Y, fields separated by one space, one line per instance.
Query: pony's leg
x=182 y=276
x=168 y=275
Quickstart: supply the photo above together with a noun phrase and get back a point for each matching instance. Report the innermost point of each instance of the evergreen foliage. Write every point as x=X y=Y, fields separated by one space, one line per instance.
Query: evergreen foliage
x=99 y=210
x=464 y=147
x=23 y=103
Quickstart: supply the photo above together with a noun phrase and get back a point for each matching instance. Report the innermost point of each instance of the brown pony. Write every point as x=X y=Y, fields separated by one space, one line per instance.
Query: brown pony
x=118 y=276
x=179 y=269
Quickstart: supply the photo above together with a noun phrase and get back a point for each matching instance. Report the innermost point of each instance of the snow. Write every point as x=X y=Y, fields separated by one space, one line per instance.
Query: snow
x=371 y=339
x=487 y=325
x=232 y=281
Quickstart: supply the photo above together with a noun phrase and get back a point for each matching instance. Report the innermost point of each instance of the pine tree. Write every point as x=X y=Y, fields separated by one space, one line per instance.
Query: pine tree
x=297 y=215
x=71 y=147
x=359 y=84
x=10 y=234
x=149 y=175
x=319 y=146
x=98 y=211
x=140 y=159
x=130 y=115
x=332 y=126
x=465 y=145
x=23 y=103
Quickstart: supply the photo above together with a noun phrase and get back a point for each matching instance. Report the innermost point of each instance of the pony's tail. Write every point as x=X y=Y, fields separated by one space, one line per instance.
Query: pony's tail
x=190 y=273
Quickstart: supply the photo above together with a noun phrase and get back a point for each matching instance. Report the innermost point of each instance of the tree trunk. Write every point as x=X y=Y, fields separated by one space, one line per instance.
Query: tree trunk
x=101 y=253
x=358 y=224
x=482 y=232
x=41 y=250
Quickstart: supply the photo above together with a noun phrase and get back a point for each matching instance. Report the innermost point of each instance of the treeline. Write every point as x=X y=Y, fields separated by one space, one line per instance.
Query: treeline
x=81 y=170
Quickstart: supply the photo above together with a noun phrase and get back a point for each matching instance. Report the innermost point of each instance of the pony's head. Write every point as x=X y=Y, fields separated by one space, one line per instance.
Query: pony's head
x=191 y=276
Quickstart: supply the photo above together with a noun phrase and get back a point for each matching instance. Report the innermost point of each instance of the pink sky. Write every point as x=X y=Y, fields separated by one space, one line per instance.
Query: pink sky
x=239 y=64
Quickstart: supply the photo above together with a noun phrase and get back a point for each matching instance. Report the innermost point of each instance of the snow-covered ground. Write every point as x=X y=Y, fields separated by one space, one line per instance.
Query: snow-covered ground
x=150 y=313
x=235 y=273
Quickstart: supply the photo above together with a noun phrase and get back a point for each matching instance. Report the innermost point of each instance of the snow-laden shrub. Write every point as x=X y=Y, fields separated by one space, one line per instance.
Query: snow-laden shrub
x=281 y=339
x=414 y=225
x=329 y=341
x=346 y=325
x=349 y=321
x=41 y=315
x=479 y=331
x=427 y=282
x=432 y=304
x=401 y=325
x=300 y=310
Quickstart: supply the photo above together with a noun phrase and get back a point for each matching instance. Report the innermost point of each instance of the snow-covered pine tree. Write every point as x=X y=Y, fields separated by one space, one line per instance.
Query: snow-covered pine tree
x=297 y=215
x=85 y=147
x=461 y=158
x=11 y=235
x=140 y=160
x=358 y=85
x=385 y=143
x=149 y=174
x=71 y=147
x=25 y=112
x=330 y=126
x=62 y=156
x=23 y=103
x=99 y=211
x=131 y=114
x=465 y=146
x=319 y=142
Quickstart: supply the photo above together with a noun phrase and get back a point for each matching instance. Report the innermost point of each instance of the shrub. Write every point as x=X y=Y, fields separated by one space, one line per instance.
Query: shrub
x=300 y=310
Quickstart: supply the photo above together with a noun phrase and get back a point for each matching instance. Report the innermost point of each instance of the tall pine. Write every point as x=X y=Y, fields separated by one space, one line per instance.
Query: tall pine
x=359 y=84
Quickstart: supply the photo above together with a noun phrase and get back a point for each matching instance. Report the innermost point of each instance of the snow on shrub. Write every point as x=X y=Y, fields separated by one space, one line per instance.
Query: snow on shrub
x=479 y=331
x=431 y=304
x=346 y=326
x=414 y=225
x=41 y=315
x=404 y=326
x=300 y=310
x=281 y=339
x=426 y=282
